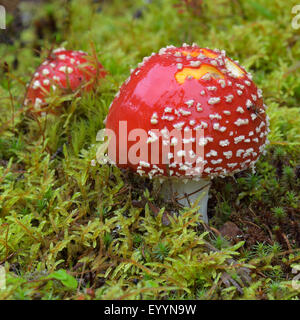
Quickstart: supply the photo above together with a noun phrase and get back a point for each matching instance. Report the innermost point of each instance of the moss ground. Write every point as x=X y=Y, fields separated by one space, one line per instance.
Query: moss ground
x=71 y=230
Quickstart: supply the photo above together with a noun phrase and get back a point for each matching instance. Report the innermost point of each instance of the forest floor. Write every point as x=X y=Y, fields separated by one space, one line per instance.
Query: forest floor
x=71 y=230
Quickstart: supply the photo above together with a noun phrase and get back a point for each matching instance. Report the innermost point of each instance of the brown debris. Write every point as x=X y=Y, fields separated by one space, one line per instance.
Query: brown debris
x=231 y=231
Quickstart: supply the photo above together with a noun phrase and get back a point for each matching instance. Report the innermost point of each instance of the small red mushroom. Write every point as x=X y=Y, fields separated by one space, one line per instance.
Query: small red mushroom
x=209 y=99
x=65 y=70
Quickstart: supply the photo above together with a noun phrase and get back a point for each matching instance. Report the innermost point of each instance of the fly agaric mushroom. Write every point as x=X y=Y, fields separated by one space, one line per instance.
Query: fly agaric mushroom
x=192 y=90
x=63 y=69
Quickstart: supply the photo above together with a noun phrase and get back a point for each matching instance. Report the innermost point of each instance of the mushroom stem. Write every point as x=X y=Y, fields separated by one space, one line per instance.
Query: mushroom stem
x=186 y=193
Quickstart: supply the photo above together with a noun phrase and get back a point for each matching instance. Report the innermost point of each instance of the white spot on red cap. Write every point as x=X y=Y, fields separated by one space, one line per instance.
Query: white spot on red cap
x=45 y=72
x=213 y=100
x=36 y=84
x=228 y=154
x=224 y=143
x=229 y=98
x=195 y=63
x=239 y=139
x=189 y=103
x=241 y=122
x=215 y=116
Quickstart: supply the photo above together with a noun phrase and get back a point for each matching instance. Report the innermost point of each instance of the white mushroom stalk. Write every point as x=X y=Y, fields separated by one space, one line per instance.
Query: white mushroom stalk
x=186 y=192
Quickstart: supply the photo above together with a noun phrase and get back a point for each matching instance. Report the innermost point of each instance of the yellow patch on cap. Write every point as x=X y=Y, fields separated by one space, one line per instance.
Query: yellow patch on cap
x=198 y=73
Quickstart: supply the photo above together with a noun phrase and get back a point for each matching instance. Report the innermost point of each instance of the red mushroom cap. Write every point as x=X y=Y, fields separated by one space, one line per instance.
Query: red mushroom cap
x=64 y=69
x=192 y=88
